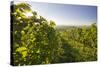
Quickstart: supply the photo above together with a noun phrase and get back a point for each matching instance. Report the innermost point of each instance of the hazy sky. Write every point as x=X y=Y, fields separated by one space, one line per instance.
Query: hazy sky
x=65 y=14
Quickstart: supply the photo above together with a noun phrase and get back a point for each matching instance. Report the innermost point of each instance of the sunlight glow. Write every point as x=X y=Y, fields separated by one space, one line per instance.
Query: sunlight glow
x=28 y=14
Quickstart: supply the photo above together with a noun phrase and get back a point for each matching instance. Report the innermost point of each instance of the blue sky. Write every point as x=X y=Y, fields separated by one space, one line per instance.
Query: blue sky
x=65 y=14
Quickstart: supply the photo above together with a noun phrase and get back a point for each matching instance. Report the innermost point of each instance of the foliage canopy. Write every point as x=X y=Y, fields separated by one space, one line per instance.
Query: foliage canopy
x=37 y=41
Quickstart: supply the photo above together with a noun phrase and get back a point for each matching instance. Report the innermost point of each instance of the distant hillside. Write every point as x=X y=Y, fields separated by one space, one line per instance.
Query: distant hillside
x=64 y=27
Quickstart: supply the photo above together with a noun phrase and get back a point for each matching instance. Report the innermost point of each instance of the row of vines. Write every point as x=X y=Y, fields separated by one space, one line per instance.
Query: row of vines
x=36 y=40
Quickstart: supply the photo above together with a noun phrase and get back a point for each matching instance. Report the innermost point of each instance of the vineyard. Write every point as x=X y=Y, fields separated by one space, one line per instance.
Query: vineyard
x=35 y=40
